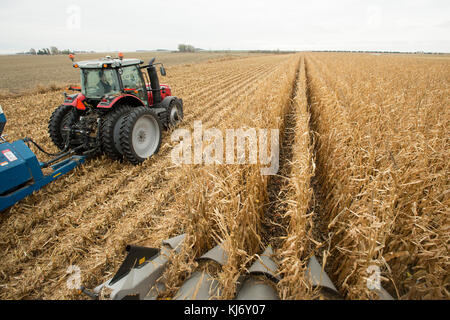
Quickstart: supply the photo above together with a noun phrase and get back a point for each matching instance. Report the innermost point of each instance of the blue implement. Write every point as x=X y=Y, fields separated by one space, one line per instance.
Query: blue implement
x=2 y=121
x=21 y=172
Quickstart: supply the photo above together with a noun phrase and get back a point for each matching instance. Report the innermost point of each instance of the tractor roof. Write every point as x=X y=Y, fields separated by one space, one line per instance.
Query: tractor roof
x=114 y=63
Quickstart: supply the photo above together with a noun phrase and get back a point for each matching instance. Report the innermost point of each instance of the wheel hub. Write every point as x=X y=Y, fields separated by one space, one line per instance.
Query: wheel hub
x=141 y=136
x=144 y=136
x=174 y=116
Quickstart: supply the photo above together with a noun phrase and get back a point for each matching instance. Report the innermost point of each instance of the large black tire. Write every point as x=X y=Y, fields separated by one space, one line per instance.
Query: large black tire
x=63 y=116
x=174 y=114
x=110 y=131
x=140 y=135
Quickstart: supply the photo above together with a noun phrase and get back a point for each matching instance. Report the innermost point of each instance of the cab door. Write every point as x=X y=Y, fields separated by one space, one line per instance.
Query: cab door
x=133 y=82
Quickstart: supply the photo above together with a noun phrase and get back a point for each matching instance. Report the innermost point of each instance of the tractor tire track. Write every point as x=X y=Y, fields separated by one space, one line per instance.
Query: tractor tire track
x=274 y=225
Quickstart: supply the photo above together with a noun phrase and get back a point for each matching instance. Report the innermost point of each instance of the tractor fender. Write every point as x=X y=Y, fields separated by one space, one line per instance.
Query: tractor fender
x=128 y=99
x=161 y=109
x=167 y=100
x=75 y=100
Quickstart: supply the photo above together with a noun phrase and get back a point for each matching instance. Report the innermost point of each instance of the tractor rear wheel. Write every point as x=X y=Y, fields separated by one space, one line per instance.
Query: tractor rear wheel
x=110 y=131
x=140 y=135
x=62 y=118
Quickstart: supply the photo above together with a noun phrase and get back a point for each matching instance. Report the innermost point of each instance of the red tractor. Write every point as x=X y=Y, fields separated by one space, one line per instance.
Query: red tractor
x=118 y=111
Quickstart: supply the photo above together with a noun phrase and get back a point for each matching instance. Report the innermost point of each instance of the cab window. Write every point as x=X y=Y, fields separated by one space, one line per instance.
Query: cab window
x=131 y=78
x=97 y=83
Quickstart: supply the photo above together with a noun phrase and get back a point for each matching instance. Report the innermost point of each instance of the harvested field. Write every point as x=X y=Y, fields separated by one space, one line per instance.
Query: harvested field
x=20 y=73
x=362 y=180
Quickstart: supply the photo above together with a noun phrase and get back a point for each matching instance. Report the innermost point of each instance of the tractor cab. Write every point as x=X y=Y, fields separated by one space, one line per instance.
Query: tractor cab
x=97 y=83
x=107 y=77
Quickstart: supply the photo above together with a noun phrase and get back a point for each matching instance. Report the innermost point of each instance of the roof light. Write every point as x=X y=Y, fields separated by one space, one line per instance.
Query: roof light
x=75 y=65
x=105 y=65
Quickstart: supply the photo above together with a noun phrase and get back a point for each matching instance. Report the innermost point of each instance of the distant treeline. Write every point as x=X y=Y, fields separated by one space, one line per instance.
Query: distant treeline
x=188 y=48
x=52 y=51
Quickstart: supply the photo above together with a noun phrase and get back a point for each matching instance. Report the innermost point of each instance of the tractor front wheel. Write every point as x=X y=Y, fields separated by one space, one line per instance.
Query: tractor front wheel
x=140 y=135
x=174 y=113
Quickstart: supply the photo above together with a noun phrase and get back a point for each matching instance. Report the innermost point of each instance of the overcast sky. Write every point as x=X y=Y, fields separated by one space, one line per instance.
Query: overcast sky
x=128 y=25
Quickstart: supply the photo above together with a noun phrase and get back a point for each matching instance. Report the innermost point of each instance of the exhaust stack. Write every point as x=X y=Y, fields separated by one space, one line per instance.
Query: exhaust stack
x=154 y=82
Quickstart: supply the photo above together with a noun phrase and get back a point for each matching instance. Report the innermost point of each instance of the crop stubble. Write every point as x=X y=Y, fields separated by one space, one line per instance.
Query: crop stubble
x=363 y=181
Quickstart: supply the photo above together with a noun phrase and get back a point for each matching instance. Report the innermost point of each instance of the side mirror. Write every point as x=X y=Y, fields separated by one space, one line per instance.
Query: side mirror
x=163 y=71
x=151 y=61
